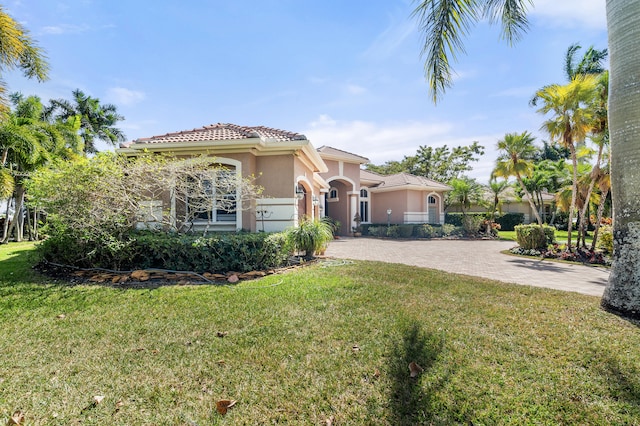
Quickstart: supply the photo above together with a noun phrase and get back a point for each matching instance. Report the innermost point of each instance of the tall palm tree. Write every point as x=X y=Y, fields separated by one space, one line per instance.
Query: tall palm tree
x=97 y=121
x=591 y=62
x=18 y=50
x=444 y=22
x=465 y=191
x=515 y=153
x=571 y=121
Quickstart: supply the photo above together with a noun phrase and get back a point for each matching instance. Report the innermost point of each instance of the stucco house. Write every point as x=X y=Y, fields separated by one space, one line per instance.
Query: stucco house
x=510 y=202
x=298 y=180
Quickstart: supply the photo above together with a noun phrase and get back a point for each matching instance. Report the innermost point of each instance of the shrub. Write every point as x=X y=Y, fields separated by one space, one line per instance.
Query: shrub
x=455 y=218
x=310 y=236
x=471 y=224
x=605 y=238
x=393 y=231
x=534 y=236
x=425 y=231
x=241 y=252
x=449 y=230
x=405 y=231
x=508 y=221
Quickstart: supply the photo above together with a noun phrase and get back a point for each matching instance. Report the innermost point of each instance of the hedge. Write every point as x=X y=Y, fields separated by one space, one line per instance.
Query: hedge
x=534 y=236
x=220 y=253
x=508 y=221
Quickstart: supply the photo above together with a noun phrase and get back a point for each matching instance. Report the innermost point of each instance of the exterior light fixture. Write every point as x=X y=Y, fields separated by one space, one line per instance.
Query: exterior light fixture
x=299 y=192
x=388 y=217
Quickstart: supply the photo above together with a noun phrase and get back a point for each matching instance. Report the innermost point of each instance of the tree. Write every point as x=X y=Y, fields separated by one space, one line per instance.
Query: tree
x=464 y=192
x=26 y=143
x=591 y=62
x=440 y=164
x=18 y=50
x=514 y=159
x=571 y=121
x=444 y=22
x=97 y=122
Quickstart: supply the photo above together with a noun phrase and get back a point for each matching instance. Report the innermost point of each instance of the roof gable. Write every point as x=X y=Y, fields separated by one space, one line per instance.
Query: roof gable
x=330 y=153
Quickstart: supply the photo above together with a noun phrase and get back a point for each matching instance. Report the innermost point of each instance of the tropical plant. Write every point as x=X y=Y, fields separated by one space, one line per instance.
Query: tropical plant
x=465 y=191
x=18 y=50
x=97 y=121
x=514 y=159
x=445 y=22
x=310 y=236
x=572 y=119
x=27 y=143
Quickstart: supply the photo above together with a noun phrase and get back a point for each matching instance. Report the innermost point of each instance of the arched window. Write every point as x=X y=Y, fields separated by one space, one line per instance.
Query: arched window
x=432 y=199
x=333 y=193
x=364 y=205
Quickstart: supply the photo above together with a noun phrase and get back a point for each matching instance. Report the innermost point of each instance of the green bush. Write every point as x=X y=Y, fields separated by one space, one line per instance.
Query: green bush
x=393 y=231
x=405 y=231
x=449 y=230
x=455 y=218
x=471 y=225
x=605 y=238
x=425 y=231
x=534 y=236
x=310 y=236
x=508 y=221
x=241 y=252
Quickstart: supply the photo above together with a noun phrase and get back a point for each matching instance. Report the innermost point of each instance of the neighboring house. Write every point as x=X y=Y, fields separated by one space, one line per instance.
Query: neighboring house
x=510 y=202
x=298 y=181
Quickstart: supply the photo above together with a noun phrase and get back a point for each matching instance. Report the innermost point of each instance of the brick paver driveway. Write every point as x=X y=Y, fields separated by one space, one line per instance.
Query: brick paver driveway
x=477 y=258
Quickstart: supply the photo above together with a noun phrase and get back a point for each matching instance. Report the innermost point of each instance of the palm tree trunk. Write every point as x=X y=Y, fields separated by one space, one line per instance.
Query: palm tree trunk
x=574 y=193
x=6 y=222
x=530 y=198
x=622 y=294
x=17 y=222
x=603 y=201
x=594 y=174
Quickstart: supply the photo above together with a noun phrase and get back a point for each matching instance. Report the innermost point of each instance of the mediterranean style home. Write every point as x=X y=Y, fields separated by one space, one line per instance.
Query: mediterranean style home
x=298 y=180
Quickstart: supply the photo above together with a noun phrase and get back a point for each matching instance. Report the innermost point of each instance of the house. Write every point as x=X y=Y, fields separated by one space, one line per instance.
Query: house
x=510 y=202
x=298 y=181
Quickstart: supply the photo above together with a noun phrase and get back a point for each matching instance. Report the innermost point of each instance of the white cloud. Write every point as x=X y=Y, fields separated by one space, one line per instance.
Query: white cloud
x=122 y=96
x=354 y=89
x=392 y=141
x=64 y=29
x=390 y=39
x=571 y=13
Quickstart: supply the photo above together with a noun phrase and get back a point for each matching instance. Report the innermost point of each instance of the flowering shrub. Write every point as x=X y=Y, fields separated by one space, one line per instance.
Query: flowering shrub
x=559 y=252
x=605 y=238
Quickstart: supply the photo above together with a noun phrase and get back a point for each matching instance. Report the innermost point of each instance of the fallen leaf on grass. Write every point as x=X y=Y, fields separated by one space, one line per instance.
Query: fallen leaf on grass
x=97 y=399
x=224 y=404
x=222 y=333
x=328 y=421
x=414 y=369
x=355 y=348
x=61 y=316
x=17 y=419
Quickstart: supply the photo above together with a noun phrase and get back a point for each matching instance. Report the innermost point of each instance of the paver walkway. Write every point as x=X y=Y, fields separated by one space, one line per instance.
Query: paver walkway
x=477 y=258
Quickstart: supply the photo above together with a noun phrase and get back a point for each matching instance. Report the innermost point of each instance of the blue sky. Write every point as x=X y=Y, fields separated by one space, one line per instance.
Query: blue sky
x=347 y=74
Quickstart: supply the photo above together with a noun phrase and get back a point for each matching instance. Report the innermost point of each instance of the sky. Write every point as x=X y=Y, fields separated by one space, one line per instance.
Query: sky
x=346 y=74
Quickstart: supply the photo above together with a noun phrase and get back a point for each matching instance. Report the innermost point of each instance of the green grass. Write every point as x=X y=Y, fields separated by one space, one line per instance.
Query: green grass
x=492 y=353
x=561 y=236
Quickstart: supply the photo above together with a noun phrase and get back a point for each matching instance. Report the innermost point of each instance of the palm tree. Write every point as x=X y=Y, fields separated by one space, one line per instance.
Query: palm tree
x=444 y=22
x=516 y=152
x=591 y=62
x=26 y=143
x=571 y=122
x=97 y=122
x=18 y=50
x=465 y=192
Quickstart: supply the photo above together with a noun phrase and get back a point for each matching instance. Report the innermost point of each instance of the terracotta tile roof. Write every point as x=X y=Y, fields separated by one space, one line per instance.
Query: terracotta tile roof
x=220 y=132
x=402 y=179
x=335 y=152
x=369 y=176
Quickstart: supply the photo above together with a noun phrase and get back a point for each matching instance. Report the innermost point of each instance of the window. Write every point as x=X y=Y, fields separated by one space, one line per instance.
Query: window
x=432 y=199
x=333 y=193
x=212 y=198
x=364 y=205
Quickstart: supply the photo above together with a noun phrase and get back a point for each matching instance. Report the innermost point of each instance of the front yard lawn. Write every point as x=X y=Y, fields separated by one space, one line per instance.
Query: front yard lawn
x=325 y=344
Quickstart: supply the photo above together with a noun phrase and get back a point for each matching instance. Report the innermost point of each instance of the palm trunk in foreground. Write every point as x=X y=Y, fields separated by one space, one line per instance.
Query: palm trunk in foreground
x=622 y=294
